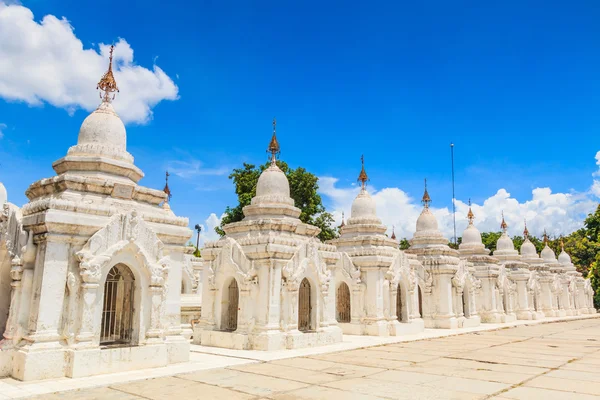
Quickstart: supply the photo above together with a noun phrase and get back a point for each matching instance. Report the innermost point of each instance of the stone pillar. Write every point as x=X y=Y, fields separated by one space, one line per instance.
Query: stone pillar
x=49 y=284
x=523 y=305
x=356 y=305
x=245 y=311
x=274 y=298
x=85 y=337
x=375 y=321
x=546 y=295
x=12 y=324
x=154 y=333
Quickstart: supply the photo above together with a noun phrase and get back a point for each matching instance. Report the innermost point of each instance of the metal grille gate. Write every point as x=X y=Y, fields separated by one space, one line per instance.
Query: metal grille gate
x=304 y=306
x=399 y=304
x=420 y=302
x=117 y=311
x=343 y=303
x=232 y=306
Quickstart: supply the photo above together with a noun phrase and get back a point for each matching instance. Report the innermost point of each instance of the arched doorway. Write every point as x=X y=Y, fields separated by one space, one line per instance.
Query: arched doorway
x=342 y=305
x=230 y=306
x=117 y=310
x=399 y=311
x=304 y=306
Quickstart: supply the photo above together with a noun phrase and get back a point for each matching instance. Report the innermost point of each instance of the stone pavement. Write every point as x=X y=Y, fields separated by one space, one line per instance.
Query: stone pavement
x=545 y=361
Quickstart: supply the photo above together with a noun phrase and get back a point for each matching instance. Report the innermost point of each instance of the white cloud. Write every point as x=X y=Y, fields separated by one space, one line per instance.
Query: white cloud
x=208 y=233
x=2 y=127
x=44 y=62
x=558 y=213
x=192 y=167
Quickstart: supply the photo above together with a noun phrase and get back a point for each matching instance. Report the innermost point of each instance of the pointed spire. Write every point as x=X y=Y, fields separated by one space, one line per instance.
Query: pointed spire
x=362 y=177
x=426 y=200
x=343 y=223
x=503 y=225
x=107 y=84
x=393 y=232
x=545 y=238
x=470 y=215
x=166 y=189
x=526 y=232
x=562 y=244
x=274 y=148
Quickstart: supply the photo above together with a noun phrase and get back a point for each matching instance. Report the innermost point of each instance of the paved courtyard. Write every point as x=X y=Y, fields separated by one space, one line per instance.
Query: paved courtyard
x=546 y=361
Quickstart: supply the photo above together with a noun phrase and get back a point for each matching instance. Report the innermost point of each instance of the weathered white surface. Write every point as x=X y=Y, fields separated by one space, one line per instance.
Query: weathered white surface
x=379 y=276
x=268 y=254
x=58 y=249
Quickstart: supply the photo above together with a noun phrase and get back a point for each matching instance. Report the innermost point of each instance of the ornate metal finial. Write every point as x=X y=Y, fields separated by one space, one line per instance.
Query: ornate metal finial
x=545 y=238
x=526 y=232
x=562 y=244
x=470 y=215
x=393 y=232
x=426 y=200
x=108 y=85
x=274 y=148
x=343 y=223
x=503 y=225
x=166 y=189
x=362 y=177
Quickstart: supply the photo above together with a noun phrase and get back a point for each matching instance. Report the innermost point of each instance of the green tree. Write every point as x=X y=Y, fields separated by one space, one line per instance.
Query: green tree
x=303 y=189
x=594 y=275
x=404 y=244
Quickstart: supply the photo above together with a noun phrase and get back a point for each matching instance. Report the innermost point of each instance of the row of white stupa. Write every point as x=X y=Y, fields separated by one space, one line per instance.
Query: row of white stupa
x=269 y=284
x=93 y=267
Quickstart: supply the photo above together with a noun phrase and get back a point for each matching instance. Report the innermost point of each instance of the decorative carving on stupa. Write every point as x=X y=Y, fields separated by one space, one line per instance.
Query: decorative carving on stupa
x=363 y=178
x=107 y=84
x=274 y=148
x=426 y=200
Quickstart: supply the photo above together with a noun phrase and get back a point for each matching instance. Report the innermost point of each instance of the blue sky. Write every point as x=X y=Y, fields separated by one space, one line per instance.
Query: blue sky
x=515 y=85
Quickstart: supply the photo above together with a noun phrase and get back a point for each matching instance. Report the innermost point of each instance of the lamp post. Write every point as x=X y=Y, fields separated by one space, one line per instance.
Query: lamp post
x=198 y=229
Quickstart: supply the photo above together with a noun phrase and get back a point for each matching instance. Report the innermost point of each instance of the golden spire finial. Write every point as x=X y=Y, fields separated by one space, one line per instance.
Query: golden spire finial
x=107 y=83
x=545 y=238
x=274 y=148
x=503 y=225
x=426 y=200
x=470 y=215
x=166 y=189
x=343 y=223
x=393 y=232
x=526 y=232
x=362 y=177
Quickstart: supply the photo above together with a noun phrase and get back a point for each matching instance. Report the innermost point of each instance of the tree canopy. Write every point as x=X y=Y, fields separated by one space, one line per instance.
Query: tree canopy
x=303 y=189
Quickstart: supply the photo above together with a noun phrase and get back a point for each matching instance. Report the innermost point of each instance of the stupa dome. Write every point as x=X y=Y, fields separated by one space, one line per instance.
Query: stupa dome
x=103 y=127
x=505 y=243
x=548 y=254
x=528 y=249
x=273 y=182
x=3 y=194
x=427 y=221
x=564 y=258
x=471 y=235
x=364 y=206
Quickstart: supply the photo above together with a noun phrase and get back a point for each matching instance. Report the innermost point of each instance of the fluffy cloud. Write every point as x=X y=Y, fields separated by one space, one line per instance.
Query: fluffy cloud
x=44 y=62
x=2 y=127
x=208 y=233
x=558 y=213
